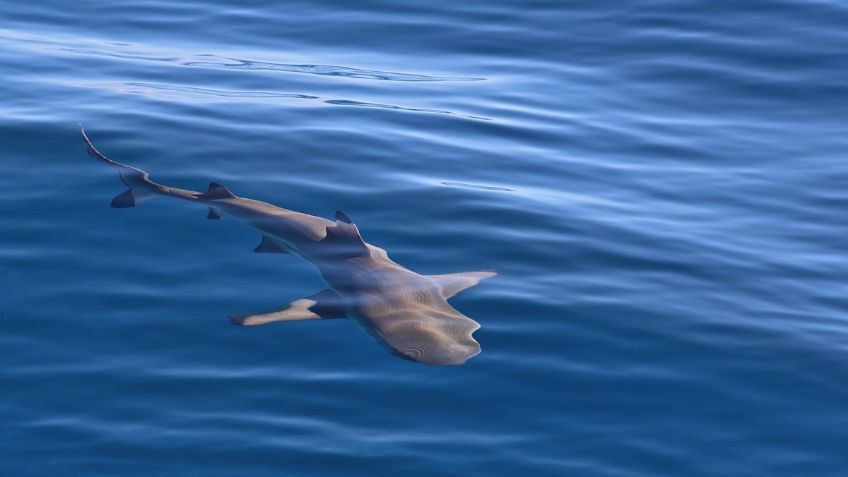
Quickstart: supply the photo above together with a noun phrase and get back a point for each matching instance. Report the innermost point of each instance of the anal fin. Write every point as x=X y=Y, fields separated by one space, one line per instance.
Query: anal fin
x=270 y=245
x=212 y=214
x=124 y=200
x=324 y=305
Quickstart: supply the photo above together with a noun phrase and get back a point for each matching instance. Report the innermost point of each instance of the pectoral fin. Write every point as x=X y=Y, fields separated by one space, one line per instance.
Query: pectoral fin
x=324 y=305
x=453 y=283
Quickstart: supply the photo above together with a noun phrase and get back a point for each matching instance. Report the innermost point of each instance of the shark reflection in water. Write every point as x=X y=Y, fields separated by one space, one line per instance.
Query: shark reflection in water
x=406 y=312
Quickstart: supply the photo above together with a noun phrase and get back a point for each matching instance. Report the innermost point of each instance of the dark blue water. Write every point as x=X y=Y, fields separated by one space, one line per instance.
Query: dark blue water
x=662 y=186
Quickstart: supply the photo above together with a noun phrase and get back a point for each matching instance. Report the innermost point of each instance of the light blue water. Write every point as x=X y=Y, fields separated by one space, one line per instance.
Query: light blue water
x=661 y=186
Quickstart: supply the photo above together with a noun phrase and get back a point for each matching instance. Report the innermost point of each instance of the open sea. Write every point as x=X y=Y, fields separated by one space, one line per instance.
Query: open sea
x=661 y=185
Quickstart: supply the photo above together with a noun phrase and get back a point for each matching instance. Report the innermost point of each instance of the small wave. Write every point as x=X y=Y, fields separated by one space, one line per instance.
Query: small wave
x=140 y=87
x=477 y=186
x=209 y=60
x=220 y=93
x=215 y=61
x=345 y=102
x=323 y=70
x=85 y=51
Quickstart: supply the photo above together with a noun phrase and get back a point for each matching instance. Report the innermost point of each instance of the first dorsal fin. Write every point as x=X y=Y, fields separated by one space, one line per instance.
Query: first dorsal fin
x=217 y=191
x=343 y=238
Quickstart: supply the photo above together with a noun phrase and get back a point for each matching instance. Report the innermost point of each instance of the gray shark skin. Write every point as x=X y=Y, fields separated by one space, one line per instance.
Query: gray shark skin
x=404 y=311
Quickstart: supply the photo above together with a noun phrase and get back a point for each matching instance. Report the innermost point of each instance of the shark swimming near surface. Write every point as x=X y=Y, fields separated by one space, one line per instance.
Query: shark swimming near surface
x=406 y=312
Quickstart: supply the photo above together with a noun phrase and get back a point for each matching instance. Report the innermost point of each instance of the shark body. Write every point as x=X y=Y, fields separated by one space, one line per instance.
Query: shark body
x=406 y=312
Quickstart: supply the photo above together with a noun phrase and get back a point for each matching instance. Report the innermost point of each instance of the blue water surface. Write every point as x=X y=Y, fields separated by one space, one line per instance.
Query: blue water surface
x=661 y=185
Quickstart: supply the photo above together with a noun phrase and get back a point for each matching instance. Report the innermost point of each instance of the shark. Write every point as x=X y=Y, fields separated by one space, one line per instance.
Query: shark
x=406 y=312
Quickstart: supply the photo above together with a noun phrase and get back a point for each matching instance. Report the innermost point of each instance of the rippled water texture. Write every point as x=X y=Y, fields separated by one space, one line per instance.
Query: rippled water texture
x=660 y=185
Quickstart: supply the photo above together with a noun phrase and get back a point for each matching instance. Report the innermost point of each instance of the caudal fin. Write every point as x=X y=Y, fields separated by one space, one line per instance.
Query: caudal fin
x=140 y=187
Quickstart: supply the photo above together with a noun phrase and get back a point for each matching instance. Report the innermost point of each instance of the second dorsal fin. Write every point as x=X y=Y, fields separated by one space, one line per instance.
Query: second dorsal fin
x=217 y=191
x=342 y=217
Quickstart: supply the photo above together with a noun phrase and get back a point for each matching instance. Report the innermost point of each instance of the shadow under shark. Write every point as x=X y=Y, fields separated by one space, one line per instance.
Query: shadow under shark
x=406 y=312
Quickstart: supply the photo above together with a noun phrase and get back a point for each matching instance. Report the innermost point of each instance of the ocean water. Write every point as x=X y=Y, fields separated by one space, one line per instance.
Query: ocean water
x=661 y=185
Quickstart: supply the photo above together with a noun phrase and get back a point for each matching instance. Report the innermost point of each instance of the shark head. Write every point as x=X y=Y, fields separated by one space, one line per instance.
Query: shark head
x=444 y=341
x=418 y=326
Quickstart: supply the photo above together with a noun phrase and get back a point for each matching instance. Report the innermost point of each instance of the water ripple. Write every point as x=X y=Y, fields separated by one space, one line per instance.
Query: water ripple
x=140 y=87
x=344 y=102
x=215 y=61
x=208 y=60
x=477 y=186
x=218 y=92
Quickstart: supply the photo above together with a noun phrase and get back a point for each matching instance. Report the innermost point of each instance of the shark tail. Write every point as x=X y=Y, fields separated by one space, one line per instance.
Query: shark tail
x=140 y=187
